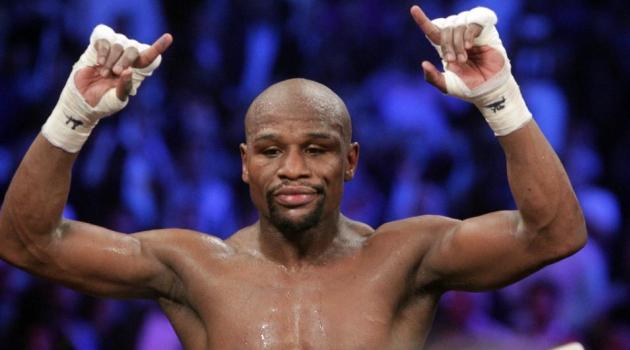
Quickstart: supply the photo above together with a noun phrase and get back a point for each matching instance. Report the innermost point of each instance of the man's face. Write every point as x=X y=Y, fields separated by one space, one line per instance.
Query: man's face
x=295 y=162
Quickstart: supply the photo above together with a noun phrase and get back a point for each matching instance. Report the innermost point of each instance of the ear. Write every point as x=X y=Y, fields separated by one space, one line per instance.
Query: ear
x=244 y=172
x=352 y=159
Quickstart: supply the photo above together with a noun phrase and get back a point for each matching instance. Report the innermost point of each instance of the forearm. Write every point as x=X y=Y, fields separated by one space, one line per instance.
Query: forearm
x=34 y=202
x=540 y=186
x=37 y=195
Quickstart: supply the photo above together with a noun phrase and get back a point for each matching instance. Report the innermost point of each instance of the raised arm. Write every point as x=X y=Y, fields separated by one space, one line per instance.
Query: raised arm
x=495 y=249
x=33 y=234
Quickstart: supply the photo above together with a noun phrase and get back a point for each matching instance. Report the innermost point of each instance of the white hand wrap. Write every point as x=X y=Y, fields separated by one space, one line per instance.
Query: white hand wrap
x=73 y=119
x=499 y=99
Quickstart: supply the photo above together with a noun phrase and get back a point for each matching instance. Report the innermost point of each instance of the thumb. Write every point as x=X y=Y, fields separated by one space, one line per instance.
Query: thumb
x=123 y=87
x=433 y=76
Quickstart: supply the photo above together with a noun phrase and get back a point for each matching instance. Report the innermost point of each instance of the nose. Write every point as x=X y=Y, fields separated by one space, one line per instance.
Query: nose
x=294 y=166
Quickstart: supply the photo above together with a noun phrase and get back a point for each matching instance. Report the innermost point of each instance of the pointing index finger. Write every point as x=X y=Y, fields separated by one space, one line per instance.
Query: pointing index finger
x=148 y=55
x=425 y=24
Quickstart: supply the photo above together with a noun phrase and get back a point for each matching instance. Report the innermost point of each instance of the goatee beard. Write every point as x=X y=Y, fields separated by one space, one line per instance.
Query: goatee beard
x=291 y=227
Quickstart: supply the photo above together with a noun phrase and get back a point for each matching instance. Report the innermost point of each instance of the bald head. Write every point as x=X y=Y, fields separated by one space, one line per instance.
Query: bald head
x=298 y=97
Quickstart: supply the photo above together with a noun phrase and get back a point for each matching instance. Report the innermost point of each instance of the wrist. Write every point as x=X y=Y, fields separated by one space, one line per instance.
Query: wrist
x=72 y=120
x=503 y=107
x=65 y=130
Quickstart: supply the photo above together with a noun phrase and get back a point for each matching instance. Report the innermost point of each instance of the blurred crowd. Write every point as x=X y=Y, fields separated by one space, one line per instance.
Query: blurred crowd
x=170 y=159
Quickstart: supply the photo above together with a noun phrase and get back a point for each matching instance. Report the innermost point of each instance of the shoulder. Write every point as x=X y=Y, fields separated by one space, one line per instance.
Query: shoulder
x=416 y=233
x=357 y=228
x=419 y=225
x=177 y=240
x=245 y=241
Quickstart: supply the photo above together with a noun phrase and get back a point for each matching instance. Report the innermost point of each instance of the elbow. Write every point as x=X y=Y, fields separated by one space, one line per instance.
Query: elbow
x=580 y=233
x=21 y=246
x=568 y=234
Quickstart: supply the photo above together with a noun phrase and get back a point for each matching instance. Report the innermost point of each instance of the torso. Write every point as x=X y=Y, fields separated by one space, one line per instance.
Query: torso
x=361 y=299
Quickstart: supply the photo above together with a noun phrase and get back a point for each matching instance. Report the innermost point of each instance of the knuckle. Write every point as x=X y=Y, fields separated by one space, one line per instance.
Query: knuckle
x=101 y=45
x=117 y=48
x=131 y=53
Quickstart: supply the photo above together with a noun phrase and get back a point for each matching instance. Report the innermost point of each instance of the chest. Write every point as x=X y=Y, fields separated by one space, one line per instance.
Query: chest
x=335 y=308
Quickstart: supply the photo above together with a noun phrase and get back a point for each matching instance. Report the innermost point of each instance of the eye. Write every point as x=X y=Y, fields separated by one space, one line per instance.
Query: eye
x=314 y=150
x=271 y=152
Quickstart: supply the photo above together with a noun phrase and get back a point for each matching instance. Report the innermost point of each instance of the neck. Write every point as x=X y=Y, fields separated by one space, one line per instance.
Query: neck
x=294 y=249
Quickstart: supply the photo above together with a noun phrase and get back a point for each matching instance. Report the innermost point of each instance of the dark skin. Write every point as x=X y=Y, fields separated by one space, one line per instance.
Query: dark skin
x=303 y=276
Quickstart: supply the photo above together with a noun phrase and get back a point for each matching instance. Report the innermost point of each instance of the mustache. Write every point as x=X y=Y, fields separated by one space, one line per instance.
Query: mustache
x=319 y=189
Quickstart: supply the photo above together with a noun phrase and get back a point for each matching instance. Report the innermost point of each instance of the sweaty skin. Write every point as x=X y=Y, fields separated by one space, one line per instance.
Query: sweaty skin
x=303 y=276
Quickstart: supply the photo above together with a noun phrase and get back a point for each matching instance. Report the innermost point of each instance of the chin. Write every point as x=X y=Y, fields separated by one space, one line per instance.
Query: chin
x=282 y=219
x=287 y=225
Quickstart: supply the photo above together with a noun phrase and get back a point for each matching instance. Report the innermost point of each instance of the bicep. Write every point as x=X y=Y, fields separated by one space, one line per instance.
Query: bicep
x=102 y=262
x=484 y=252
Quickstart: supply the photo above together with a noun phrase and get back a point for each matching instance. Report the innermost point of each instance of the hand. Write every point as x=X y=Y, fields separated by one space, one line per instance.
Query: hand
x=114 y=68
x=473 y=64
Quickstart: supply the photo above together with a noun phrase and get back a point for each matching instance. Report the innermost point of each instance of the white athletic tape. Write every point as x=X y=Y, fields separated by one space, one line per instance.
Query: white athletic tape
x=499 y=99
x=73 y=119
x=570 y=346
x=482 y=16
x=102 y=31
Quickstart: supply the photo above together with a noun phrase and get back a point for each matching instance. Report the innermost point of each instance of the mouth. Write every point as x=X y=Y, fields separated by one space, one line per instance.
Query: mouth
x=295 y=196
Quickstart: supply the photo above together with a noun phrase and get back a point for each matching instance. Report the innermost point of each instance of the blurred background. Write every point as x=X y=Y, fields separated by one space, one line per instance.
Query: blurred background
x=170 y=159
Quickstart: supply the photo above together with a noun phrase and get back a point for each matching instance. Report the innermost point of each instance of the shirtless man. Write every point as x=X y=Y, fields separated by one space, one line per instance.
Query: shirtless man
x=304 y=276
